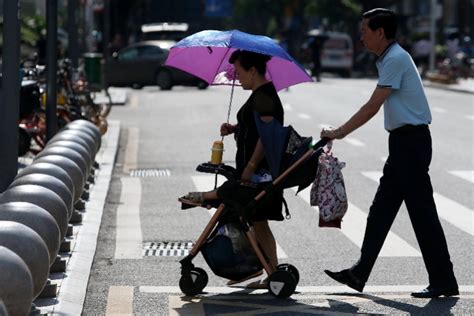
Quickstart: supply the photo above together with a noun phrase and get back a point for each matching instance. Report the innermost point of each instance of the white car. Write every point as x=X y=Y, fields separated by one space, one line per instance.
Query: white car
x=337 y=54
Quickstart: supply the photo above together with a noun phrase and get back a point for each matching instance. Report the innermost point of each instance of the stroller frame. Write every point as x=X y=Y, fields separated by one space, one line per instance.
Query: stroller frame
x=282 y=281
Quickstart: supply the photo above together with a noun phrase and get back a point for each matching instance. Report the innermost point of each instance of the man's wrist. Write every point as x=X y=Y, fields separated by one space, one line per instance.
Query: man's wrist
x=340 y=133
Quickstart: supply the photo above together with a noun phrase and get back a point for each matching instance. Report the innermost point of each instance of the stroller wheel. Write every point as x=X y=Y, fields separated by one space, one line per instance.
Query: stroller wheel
x=281 y=284
x=193 y=283
x=290 y=268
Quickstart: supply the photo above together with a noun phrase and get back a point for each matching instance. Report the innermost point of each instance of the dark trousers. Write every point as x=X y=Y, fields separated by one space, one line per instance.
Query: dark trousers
x=405 y=179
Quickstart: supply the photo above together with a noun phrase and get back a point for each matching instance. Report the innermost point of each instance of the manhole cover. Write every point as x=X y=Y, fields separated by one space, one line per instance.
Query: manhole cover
x=150 y=173
x=167 y=249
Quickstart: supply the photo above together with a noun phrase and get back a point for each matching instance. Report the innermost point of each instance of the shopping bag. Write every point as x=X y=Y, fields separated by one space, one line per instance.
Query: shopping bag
x=328 y=191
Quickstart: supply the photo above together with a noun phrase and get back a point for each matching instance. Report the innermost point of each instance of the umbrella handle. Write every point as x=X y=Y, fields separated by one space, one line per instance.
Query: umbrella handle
x=230 y=101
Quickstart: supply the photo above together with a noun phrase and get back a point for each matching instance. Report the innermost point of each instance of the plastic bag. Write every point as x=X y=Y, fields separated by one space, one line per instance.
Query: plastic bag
x=328 y=191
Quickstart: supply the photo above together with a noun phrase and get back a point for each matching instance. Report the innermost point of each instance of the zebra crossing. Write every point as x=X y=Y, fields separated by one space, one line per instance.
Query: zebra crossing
x=449 y=210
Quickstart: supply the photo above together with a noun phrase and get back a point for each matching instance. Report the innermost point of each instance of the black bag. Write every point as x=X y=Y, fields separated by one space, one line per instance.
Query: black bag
x=229 y=254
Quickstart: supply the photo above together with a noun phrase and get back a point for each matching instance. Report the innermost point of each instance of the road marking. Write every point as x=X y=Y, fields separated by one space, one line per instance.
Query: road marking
x=128 y=239
x=131 y=151
x=302 y=290
x=438 y=109
x=464 y=174
x=449 y=210
x=353 y=227
x=120 y=300
x=287 y=107
x=304 y=116
x=134 y=101
x=354 y=142
x=206 y=183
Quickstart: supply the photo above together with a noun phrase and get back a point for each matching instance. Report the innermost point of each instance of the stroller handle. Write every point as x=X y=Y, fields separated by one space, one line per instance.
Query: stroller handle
x=321 y=143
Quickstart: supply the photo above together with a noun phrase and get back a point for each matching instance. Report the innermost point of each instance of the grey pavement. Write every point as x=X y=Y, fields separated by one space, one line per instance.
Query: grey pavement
x=72 y=284
x=462 y=85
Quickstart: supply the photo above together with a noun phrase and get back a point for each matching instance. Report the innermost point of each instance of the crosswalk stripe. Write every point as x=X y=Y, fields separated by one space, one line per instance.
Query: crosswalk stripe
x=304 y=116
x=354 y=142
x=128 y=240
x=120 y=301
x=464 y=174
x=206 y=183
x=353 y=227
x=287 y=107
x=449 y=210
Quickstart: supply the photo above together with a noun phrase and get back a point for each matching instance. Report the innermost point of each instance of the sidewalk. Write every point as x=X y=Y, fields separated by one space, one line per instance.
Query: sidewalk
x=463 y=85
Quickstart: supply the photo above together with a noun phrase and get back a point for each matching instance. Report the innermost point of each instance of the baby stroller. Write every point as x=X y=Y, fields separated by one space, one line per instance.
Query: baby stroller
x=227 y=242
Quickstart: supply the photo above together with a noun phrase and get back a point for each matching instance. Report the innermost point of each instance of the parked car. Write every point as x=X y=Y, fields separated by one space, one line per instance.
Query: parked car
x=336 y=53
x=142 y=64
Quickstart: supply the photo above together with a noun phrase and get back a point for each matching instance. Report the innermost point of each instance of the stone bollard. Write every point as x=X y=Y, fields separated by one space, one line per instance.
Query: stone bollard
x=52 y=170
x=81 y=134
x=44 y=198
x=71 y=168
x=77 y=136
x=38 y=220
x=67 y=153
x=78 y=147
x=87 y=127
x=30 y=247
x=48 y=182
x=16 y=283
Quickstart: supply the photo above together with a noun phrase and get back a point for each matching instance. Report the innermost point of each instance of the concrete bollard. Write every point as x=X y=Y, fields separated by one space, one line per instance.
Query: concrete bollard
x=30 y=247
x=52 y=170
x=44 y=198
x=80 y=133
x=77 y=136
x=71 y=168
x=48 y=182
x=88 y=127
x=67 y=153
x=37 y=219
x=77 y=146
x=16 y=283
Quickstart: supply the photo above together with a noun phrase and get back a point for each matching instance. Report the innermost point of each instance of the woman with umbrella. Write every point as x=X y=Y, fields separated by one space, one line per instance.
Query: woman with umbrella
x=251 y=164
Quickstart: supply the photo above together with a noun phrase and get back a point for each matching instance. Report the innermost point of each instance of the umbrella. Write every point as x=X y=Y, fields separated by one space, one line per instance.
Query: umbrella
x=205 y=54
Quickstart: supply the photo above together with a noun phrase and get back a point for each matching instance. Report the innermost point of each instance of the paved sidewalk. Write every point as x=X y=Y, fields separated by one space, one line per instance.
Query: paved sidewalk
x=463 y=85
x=72 y=285
x=118 y=95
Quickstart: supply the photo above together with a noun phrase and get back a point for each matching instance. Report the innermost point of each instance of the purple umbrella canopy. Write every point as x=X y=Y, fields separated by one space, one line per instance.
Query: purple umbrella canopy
x=206 y=55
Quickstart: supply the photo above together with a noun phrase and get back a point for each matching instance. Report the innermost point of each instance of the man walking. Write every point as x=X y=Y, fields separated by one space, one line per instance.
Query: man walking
x=405 y=174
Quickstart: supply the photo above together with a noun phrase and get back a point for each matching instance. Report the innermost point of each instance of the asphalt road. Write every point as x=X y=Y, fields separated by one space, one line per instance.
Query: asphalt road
x=166 y=134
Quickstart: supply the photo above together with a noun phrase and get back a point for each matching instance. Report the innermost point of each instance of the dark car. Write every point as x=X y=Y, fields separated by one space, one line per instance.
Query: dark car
x=141 y=64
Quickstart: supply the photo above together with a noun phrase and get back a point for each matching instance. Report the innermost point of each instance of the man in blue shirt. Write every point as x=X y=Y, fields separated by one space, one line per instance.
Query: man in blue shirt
x=405 y=174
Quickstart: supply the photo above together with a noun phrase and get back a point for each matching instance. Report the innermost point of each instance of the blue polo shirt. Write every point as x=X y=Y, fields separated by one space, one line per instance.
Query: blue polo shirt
x=407 y=103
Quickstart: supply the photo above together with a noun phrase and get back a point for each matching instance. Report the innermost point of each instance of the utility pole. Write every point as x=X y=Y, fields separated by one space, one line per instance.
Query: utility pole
x=10 y=93
x=433 y=17
x=51 y=68
x=72 y=24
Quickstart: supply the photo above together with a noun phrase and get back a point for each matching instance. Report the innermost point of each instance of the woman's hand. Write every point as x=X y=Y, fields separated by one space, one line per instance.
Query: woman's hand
x=227 y=129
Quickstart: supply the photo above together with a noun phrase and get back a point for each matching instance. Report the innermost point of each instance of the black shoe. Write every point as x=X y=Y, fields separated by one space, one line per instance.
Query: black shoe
x=348 y=278
x=433 y=292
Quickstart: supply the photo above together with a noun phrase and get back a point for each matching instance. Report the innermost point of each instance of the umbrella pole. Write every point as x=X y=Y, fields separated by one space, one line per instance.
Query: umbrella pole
x=230 y=101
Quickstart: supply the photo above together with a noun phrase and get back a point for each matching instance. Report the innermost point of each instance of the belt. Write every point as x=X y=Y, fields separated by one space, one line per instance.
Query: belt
x=410 y=128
